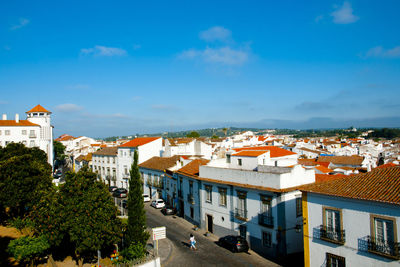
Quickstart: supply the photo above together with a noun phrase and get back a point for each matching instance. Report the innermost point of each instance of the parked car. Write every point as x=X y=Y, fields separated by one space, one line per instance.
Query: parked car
x=168 y=210
x=158 y=204
x=146 y=198
x=234 y=243
x=112 y=188
x=124 y=203
x=120 y=192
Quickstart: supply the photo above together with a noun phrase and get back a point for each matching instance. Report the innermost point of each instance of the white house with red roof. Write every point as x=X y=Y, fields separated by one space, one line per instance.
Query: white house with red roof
x=35 y=131
x=253 y=193
x=147 y=147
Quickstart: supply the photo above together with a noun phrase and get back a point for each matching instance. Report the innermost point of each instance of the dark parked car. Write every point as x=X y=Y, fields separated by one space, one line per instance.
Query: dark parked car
x=112 y=188
x=234 y=243
x=57 y=174
x=168 y=210
x=120 y=192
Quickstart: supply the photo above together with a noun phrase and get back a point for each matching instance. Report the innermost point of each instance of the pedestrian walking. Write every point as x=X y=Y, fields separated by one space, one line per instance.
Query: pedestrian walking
x=192 y=242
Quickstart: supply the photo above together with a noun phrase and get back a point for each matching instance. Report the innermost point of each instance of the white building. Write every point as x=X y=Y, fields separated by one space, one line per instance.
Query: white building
x=353 y=221
x=147 y=147
x=251 y=193
x=35 y=131
x=187 y=147
x=104 y=163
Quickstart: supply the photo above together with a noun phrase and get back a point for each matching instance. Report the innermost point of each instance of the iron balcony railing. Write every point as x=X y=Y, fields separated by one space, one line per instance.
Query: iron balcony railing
x=265 y=219
x=241 y=214
x=385 y=248
x=190 y=198
x=332 y=235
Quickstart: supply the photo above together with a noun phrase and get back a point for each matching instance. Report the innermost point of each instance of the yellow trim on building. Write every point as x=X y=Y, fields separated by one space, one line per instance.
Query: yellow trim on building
x=305 y=231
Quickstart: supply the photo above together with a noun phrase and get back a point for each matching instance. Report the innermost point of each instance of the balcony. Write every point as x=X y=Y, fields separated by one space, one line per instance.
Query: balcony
x=385 y=248
x=332 y=235
x=157 y=184
x=241 y=214
x=32 y=135
x=190 y=198
x=265 y=220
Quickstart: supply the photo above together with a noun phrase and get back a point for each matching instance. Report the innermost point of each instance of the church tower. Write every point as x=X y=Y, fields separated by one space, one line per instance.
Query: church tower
x=41 y=116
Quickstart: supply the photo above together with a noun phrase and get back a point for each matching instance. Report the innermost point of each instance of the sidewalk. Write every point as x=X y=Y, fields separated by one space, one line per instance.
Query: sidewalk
x=165 y=248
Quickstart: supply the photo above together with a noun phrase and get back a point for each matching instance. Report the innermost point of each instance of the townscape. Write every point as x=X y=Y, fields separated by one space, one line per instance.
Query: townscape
x=330 y=201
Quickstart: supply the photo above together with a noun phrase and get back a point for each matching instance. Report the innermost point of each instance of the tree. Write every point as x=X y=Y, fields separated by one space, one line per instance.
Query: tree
x=59 y=152
x=89 y=214
x=24 y=175
x=193 y=134
x=28 y=249
x=136 y=234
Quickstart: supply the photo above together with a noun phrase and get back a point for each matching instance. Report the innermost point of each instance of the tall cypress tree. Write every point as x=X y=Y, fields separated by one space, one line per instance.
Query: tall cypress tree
x=136 y=229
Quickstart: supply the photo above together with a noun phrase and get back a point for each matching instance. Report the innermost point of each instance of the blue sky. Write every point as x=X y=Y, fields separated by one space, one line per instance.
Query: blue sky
x=123 y=67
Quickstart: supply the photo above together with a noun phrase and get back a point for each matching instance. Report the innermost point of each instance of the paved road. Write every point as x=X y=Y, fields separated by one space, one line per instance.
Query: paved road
x=207 y=254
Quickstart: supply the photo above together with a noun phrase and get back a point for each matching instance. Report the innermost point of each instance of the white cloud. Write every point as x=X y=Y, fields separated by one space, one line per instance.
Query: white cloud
x=99 y=50
x=344 y=14
x=223 y=55
x=216 y=33
x=380 y=52
x=22 y=23
x=68 y=107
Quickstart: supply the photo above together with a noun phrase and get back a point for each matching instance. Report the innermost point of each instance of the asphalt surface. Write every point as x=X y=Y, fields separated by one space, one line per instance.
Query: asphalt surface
x=208 y=253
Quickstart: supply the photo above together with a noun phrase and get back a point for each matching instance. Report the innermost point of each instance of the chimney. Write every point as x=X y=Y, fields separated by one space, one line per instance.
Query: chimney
x=17 y=118
x=4 y=117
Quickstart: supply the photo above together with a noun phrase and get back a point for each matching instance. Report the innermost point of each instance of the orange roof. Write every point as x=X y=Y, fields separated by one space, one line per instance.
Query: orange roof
x=323 y=169
x=261 y=138
x=192 y=168
x=390 y=164
x=274 y=150
x=250 y=153
x=382 y=185
x=65 y=137
x=38 y=108
x=139 y=141
x=327 y=177
x=14 y=123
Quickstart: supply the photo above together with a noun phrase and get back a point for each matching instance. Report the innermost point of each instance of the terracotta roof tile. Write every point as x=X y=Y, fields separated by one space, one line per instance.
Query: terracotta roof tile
x=323 y=169
x=38 y=108
x=139 y=141
x=192 y=168
x=14 y=123
x=274 y=151
x=107 y=151
x=345 y=160
x=382 y=185
x=159 y=163
x=250 y=153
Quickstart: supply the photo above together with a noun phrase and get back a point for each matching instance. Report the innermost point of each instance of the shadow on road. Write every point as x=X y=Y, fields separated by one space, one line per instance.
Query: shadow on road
x=185 y=244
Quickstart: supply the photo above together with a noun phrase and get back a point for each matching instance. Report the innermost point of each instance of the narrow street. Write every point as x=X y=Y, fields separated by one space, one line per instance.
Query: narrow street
x=208 y=253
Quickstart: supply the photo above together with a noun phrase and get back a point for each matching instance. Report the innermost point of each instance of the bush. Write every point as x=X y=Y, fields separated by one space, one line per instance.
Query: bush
x=134 y=251
x=28 y=249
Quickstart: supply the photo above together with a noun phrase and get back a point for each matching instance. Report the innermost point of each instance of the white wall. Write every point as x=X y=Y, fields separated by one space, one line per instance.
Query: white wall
x=356 y=223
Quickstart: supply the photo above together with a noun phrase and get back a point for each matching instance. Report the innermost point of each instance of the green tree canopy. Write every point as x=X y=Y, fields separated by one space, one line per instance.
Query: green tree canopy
x=24 y=174
x=136 y=229
x=193 y=134
x=89 y=214
x=59 y=150
x=28 y=249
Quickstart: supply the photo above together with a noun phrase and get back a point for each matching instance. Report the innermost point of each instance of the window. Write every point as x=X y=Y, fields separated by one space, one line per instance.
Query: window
x=266 y=205
x=190 y=187
x=240 y=162
x=125 y=169
x=7 y=132
x=31 y=143
x=266 y=239
x=0 y=132
x=383 y=236
x=108 y=159
x=191 y=212
x=113 y=160
x=335 y=261
x=23 y=132
x=228 y=158
x=208 y=189
x=243 y=230
x=222 y=196
x=332 y=228
x=241 y=210
x=299 y=210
